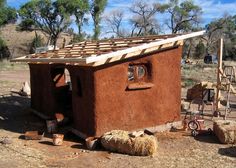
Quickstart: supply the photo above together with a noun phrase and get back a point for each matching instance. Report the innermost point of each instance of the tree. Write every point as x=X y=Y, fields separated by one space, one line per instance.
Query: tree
x=4 y=51
x=183 y=16
x=143 y=19
x=114 y=23
x=96 y=9
x=200 y=50
x=2 y=3
x=36 y=42
x=77 y=8
x=7 y=14
x=224 y=27
x=47 y=16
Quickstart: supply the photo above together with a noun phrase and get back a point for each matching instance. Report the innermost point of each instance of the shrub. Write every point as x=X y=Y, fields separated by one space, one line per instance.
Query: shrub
x=4 y=51
x=37 y=42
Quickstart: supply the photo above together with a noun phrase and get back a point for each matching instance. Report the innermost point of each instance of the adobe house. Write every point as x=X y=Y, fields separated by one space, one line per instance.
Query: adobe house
x=128 y=83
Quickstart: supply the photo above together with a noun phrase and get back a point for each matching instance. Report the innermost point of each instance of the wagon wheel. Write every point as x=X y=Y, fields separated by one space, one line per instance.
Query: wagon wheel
x=193 y=125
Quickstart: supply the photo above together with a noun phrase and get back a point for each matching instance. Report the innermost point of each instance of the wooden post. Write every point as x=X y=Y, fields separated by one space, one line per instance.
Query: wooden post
x=219 y=70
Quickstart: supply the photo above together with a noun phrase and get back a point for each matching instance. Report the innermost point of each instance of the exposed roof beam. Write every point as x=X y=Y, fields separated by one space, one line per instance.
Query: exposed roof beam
x=95 y=60
x=143 y=47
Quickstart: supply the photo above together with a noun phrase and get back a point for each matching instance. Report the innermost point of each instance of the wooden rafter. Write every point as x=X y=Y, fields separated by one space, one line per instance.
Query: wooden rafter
x=105 y=51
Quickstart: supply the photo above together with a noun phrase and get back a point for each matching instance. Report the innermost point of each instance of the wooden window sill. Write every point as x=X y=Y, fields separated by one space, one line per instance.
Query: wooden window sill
x=138 y=86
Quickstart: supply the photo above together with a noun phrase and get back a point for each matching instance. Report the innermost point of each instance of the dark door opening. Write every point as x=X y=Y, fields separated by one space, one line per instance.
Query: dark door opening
x=62 y=90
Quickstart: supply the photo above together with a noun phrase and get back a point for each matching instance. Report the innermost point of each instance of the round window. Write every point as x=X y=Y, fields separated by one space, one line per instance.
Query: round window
x=140 y=72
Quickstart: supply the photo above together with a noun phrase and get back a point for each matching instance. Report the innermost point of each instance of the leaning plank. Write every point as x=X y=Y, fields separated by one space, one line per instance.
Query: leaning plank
x=139 y=52
x=39 y=114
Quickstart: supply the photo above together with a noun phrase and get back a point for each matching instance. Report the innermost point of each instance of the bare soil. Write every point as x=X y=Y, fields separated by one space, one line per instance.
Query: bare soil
x=176 y=149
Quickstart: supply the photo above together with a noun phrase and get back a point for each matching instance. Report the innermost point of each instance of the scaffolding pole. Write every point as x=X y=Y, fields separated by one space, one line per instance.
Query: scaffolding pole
x=219 y=76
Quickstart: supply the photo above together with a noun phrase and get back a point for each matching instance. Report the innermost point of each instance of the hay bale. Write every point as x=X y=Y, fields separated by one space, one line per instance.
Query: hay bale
x=121 y=141
x=225 y=130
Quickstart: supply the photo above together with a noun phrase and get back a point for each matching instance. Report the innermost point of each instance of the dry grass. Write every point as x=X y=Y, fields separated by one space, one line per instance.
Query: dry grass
x=201 y=72
x=196 y=73
x=6 y=65
x=19 y=42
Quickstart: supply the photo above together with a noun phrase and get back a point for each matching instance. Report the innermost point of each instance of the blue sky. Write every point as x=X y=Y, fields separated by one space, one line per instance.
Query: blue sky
x=212 y=9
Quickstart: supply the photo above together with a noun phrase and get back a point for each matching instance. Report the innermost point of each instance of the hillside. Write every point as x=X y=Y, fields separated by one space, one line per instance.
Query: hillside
x=19 y=42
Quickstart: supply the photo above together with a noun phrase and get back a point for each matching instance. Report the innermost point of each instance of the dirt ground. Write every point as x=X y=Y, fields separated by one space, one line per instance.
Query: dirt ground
x=176 y=149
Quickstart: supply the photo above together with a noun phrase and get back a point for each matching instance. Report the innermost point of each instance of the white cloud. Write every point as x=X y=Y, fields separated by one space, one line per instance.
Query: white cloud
x=214 y=10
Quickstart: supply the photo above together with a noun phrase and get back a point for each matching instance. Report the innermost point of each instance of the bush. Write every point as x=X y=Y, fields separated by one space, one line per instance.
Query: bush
x=37 y=42
x=200 y=50
x=4 y=51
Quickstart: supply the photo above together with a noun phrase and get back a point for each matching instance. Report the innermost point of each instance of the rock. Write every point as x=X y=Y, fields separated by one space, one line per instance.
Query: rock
x=5 y=140
x=225 y=130
x=207 y=69
x=25 y=91
x=184 y=106
x=121 y=141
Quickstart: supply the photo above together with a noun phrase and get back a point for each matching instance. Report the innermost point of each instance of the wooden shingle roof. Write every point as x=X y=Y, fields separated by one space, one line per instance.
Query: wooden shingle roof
x=93 y=53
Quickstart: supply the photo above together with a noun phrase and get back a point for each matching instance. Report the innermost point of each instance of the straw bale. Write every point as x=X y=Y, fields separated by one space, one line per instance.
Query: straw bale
x=121 y=141
x=225 y=130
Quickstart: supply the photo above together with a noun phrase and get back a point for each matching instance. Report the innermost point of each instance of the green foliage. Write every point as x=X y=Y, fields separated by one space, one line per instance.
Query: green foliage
x=200 y=50
x=7 y=14
x=4 y=51
x=2 y=3
x=184 y=16
x=77 y=8
x=222 y=28
x=37 y=42
x=26 y=25
x=46 y=15
x=96 y=9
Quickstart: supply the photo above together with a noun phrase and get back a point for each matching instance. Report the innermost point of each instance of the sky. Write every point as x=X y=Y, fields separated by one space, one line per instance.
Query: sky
x=212 y=9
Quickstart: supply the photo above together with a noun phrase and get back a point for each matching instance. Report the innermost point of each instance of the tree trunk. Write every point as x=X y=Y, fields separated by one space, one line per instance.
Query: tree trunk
x=96 y=30
x=54 y=41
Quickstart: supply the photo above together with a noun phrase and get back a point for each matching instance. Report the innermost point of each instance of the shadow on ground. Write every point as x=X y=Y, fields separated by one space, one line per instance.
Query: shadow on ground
x=15 y=115
x=207 y=138
x=230 y=151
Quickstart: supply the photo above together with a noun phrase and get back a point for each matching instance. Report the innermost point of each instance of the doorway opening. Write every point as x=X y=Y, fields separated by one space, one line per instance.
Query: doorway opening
x=62 y=90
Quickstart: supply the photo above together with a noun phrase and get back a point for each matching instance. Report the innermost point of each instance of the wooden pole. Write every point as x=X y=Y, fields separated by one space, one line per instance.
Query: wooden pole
x=219 y=76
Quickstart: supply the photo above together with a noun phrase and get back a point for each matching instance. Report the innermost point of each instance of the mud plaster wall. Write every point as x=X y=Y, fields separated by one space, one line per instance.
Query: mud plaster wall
x=48 y=89
x=100 y=98
x=119 y=108
x=83 y=100
x=41 y=97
